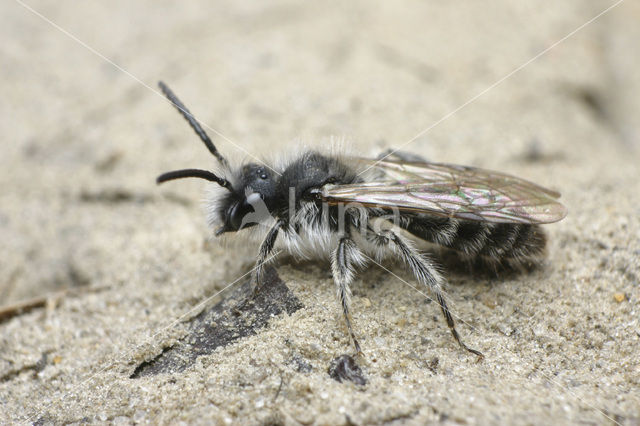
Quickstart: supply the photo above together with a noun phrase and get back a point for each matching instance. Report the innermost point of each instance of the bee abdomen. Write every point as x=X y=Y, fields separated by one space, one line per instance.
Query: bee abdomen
x=501 y=242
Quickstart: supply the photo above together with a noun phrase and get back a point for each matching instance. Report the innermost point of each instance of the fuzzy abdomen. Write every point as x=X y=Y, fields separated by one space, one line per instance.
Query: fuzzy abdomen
x=497 y=242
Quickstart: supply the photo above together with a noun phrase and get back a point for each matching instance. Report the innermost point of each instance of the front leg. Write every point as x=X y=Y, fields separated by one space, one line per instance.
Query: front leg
x=265 y=249
x=343 y=261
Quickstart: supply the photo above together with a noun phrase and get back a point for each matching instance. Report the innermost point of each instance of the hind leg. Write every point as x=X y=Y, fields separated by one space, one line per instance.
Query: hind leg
x=425 y=272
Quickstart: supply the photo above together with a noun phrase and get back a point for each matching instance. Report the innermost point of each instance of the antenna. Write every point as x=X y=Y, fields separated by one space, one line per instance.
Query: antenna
x=196 y=173
x=194 y=125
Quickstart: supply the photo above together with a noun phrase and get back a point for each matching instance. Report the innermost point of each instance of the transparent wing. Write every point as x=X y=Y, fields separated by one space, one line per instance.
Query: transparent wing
x=452 y=191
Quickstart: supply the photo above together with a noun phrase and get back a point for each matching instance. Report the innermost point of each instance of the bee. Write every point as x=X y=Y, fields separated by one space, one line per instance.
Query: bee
x=353 y=210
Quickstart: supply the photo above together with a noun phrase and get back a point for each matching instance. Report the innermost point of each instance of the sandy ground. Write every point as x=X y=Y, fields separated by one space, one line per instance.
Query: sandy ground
x=120 y=268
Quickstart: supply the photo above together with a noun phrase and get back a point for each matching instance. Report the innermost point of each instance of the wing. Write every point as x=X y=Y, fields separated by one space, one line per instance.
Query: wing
x=451 y=191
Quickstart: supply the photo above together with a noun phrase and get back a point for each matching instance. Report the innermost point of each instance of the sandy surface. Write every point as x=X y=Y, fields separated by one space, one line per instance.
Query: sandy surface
x=82 y=142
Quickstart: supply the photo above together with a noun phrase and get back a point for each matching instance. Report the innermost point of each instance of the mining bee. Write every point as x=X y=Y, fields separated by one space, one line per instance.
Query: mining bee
x=354 y=209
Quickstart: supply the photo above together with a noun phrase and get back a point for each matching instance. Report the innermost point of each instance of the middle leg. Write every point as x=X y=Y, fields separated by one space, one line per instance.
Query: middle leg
x=343 y=262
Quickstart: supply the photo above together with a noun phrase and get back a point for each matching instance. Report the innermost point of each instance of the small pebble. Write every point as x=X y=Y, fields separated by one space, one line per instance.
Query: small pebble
x=344 y=368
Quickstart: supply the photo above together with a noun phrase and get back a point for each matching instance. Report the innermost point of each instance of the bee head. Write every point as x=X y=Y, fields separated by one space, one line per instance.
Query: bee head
x=249 y=198
x=251 y=202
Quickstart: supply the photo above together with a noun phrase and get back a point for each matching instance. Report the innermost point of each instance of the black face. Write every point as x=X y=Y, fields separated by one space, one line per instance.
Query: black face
x=245 y=206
